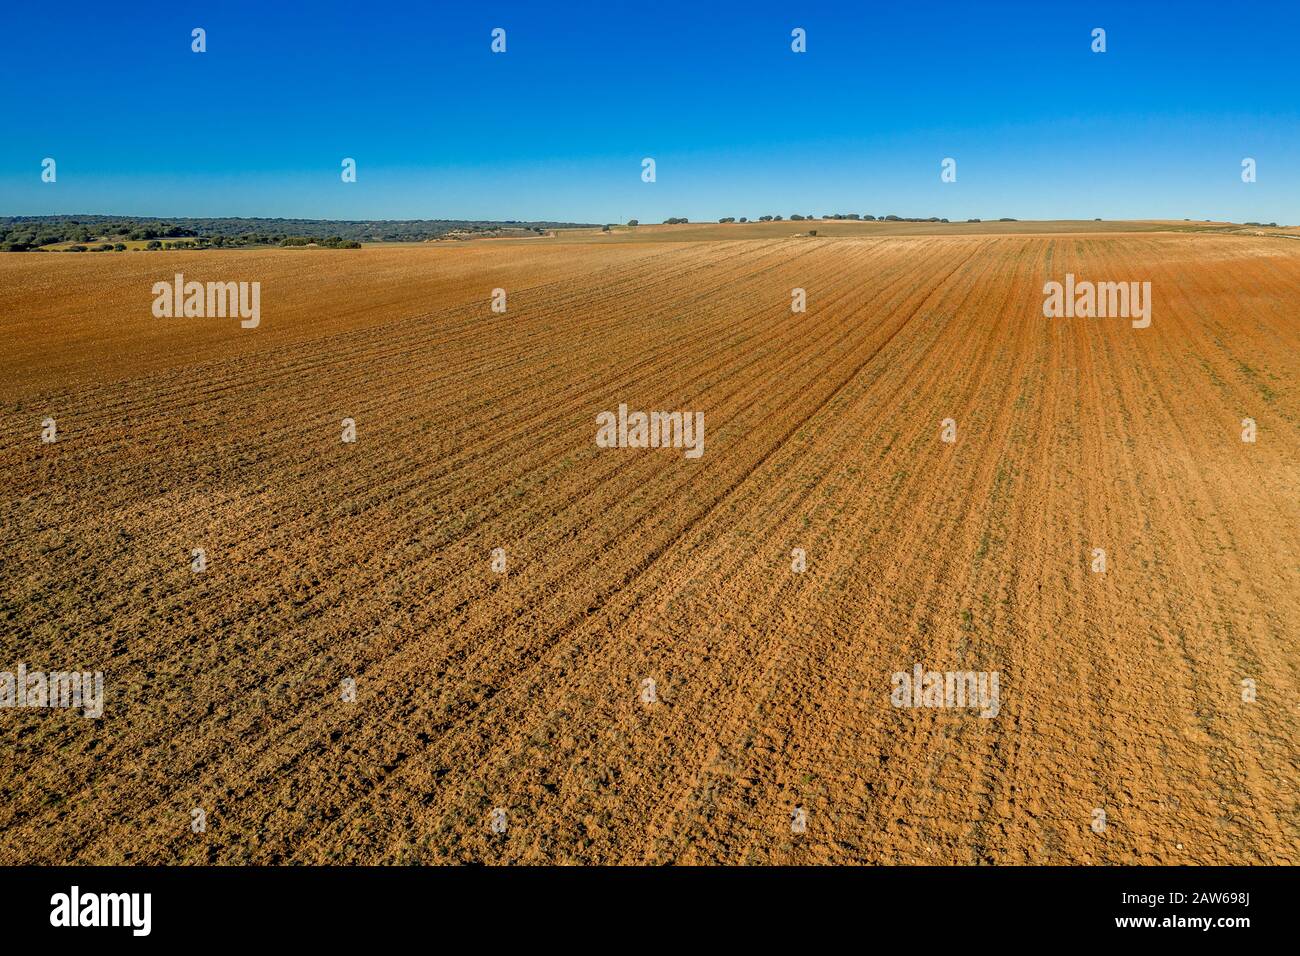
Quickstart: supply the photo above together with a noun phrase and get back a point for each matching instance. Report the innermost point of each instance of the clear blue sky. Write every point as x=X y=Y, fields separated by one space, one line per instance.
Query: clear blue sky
x=739 y=125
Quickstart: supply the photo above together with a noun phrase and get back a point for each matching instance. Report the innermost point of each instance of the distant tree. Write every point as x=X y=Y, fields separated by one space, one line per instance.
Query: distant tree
x=633 y=222
x=153 y=244
x=744 y=219
x=728 y=219
x=776 y=218
x=796 y=218
x=604 y=228
x=119 y=247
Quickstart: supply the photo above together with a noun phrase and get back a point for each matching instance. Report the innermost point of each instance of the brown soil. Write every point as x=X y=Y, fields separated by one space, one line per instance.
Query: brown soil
x=1120 y=691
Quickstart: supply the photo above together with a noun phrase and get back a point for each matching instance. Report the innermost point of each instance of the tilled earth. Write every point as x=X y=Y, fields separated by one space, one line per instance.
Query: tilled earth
x=522 y=692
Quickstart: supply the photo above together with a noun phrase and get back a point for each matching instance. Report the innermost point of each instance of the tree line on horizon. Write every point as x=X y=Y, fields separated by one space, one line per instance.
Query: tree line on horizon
x=796 y=217
x=24 y=233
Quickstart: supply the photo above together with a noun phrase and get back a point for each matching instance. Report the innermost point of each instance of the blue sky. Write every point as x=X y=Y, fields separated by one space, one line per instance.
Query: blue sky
x=739 y=125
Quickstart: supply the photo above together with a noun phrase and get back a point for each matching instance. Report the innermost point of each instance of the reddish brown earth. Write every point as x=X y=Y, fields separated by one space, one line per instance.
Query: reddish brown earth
x=1119 y=691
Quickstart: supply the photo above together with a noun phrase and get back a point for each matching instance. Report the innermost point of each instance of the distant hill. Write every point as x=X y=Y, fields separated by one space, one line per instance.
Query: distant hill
x=20 y=233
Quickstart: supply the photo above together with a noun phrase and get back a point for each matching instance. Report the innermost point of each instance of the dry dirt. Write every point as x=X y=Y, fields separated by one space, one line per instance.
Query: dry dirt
x=1119 y=691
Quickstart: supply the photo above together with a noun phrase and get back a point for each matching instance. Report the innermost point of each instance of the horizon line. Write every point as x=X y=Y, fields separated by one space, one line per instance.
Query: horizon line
x=843 y=217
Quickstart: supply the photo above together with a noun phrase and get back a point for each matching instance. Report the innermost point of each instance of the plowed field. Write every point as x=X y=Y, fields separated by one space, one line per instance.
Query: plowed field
x=372 y=561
